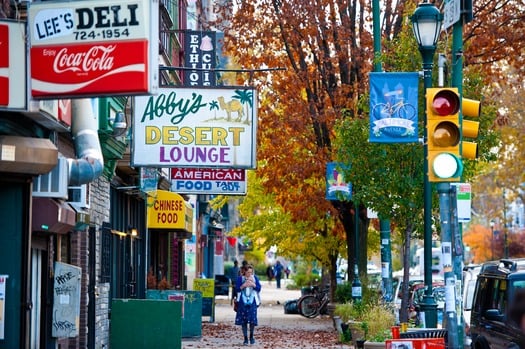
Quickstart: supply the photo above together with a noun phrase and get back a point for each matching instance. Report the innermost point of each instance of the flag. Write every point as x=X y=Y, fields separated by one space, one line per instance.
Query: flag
x=393 y=107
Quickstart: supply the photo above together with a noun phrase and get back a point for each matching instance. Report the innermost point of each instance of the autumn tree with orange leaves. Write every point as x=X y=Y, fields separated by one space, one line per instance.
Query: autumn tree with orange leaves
x=325 y=49
x=488 y=243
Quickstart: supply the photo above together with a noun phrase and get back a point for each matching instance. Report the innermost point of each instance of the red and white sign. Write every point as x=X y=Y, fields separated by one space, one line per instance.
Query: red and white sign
x=84 y=48
x=12 y=65
x=208 y=181
x=4 y=64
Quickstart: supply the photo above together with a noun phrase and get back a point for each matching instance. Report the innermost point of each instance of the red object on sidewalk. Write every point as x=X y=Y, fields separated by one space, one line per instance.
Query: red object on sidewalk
x=416 y=343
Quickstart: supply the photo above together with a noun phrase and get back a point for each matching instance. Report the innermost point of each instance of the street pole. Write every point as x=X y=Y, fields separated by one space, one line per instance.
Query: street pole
x=449 y=312
x=505 y=241
x=356 y=283
x=426 y=25
x=457 y=81
x=428 y=304
x=384 y=223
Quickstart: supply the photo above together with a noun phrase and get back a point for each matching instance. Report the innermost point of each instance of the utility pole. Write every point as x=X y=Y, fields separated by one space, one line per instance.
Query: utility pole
x=384 y=223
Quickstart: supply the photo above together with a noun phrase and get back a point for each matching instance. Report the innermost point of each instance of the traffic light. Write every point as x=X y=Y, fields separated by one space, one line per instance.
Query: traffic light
x=469 y=128
x=443 y=135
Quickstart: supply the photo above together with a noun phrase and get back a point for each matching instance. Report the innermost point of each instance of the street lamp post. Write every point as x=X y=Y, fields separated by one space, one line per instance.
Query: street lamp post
x=492 y=232
x=426 y=25
x=505 y=241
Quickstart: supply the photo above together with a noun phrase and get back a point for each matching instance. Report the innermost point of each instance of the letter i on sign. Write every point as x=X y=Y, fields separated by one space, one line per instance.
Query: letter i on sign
x=4 y=65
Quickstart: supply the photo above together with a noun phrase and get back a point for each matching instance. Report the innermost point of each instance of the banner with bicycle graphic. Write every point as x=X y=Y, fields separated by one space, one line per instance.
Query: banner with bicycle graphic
x=393 y=107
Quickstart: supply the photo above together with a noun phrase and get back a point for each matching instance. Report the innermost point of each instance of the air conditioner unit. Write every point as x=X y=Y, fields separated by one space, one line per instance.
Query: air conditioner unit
x=79 y=197
x=54 y=183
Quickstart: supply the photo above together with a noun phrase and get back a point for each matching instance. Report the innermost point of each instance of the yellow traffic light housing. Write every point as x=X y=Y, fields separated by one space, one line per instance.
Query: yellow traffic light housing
x=469 y=129
x=443 y=135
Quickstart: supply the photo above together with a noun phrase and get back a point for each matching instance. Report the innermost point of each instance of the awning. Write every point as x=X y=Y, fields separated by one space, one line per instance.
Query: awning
x=52 y=216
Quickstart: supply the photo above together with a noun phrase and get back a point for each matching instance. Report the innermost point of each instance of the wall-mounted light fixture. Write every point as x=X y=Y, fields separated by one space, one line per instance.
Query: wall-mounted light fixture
x=118 y=123
x=133 y=232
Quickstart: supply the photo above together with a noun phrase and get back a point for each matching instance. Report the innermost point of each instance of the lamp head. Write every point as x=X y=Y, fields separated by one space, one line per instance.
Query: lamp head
x=118 y=123
x=426 y=25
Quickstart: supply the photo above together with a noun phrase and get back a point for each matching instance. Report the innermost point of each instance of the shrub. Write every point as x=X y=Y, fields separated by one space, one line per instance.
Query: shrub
x=376 y=319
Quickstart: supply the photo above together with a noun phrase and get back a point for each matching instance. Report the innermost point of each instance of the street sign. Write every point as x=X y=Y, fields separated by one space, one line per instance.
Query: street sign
x=452 y=13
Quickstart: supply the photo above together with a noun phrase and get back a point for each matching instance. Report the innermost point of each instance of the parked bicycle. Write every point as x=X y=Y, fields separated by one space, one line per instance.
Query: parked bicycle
x=314 y=303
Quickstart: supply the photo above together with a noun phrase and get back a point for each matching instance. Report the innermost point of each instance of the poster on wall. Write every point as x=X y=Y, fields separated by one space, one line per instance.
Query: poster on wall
x=83 y=48
x=66 y=300
x=3 y=280
x=196 y=127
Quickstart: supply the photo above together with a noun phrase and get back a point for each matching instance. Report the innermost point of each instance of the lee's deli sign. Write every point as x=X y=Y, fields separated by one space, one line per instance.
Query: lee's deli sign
x=191 y=127
x=89 y=48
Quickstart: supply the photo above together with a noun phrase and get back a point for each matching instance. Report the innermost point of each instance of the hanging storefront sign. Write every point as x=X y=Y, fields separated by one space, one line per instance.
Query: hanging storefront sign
x=12 y=65
x=168 y=210
x=83 y=48
x=393 y=107
x=199 y=56
x=189 y=127
x=208 y=181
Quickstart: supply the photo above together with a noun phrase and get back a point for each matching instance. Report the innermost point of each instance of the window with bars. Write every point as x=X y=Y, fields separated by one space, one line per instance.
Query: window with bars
x=105 y=253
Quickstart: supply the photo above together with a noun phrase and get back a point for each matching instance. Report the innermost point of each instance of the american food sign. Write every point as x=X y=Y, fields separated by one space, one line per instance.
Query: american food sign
x=188 y=127
x=86 y=48
x=225 y=181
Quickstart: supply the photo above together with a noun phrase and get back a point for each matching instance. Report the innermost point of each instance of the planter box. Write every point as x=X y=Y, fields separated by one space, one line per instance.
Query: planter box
x=375 y=345
x=356 y=329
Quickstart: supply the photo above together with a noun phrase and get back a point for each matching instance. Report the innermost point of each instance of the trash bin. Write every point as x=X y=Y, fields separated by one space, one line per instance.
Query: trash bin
x=416 y=343
x=290 y=307
x=425 y=333
x=432 y=338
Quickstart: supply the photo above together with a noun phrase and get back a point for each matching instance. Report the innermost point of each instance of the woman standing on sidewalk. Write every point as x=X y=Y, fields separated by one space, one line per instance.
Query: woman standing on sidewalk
x=248 y=288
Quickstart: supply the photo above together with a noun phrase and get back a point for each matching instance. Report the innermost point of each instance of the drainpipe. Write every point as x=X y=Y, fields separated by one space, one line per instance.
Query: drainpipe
x=84 y=127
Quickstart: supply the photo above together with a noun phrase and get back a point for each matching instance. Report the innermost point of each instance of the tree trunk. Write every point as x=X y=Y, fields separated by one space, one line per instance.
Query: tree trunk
x=403 y=311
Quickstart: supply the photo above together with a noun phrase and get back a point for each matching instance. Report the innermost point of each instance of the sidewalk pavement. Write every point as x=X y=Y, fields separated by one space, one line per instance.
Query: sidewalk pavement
x=221 y=332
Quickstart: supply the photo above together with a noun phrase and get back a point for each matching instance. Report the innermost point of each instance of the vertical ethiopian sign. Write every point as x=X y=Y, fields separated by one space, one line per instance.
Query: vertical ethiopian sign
x=83 y=48
x=192 y=127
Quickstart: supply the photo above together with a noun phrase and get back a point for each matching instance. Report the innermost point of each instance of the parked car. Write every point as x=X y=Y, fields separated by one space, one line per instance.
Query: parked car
x=470 y=276
x=496 y=287
x=417 y=294
x=413 y=280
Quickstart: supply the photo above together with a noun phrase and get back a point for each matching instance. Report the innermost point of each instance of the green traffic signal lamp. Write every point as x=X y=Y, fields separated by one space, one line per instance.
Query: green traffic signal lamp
x=443 y=135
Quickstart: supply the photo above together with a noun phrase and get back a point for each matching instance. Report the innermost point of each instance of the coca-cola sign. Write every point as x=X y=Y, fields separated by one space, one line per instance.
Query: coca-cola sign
x=83 y=48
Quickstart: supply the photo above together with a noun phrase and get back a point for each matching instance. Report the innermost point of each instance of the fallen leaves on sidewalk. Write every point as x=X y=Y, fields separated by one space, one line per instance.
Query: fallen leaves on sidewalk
x=224 y=335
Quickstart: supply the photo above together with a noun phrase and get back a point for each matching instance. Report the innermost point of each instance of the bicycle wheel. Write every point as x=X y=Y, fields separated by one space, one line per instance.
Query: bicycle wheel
x=308 y=306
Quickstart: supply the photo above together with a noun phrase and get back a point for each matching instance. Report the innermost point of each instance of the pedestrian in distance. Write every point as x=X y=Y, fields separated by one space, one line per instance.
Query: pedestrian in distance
x=269 y=274
x=248 y=288
x=278 y=273
x=234 y=273
x=287 y=272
